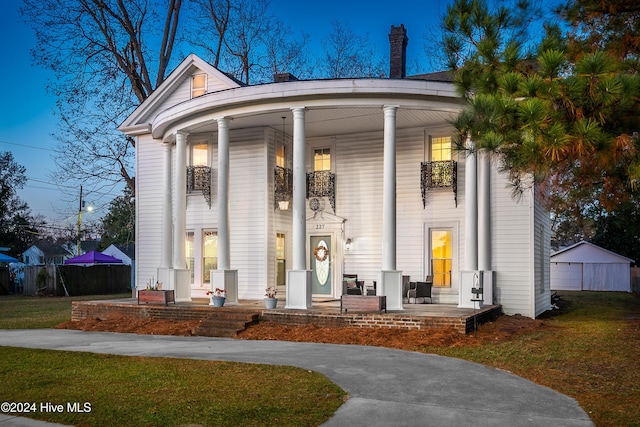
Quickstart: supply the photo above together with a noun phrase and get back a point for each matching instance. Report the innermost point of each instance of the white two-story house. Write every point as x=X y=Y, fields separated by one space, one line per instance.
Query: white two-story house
x=295 y=183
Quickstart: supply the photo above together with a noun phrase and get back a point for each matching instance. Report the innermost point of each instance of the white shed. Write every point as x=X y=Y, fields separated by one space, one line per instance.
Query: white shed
x=588 y=267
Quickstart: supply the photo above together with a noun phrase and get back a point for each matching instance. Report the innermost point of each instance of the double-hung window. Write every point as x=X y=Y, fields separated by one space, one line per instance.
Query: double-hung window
x=441 y=256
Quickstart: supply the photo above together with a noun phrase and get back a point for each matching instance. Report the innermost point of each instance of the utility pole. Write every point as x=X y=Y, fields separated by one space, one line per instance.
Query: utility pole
x=79 y=222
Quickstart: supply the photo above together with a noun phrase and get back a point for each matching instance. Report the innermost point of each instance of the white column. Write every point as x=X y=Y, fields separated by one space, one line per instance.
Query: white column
x=223 y=194
x=470 y=210
x=299 y=191
x=179 y=275
x=180 y=203
x=389 y=190
x=484 y=211
x=223 y=277
x=390 y=278
x=484 y=226
x=167 y=229
x=470 y=276
x=299 y=278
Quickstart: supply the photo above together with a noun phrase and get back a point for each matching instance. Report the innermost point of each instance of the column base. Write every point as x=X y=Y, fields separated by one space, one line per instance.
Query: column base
x=177 y=280
x=390 y=285
x=299 y=289
x=471 y=281
x=227 y=280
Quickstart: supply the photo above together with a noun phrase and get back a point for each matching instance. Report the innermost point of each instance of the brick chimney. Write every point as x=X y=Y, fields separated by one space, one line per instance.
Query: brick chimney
x=284 y=77
x=398 y=56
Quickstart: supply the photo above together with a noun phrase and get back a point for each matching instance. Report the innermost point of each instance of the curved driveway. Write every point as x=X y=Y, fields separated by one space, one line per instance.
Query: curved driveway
x=387 y=387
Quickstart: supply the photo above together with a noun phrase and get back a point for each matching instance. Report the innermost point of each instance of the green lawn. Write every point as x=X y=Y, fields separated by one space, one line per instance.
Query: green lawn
x=591 y=352
x=137 y=391
x=20 y=312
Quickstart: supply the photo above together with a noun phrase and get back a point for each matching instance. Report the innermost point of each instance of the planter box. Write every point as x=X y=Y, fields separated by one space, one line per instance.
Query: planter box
x=156 y=297
x=351 y=303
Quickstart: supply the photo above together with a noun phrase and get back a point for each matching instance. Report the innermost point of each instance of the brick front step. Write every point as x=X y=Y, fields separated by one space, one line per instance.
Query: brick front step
x=225 y=324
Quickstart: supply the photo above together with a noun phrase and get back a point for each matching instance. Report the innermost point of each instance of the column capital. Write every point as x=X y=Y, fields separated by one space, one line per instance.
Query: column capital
x=388 y=108
x=184 y=133
x=224 y=120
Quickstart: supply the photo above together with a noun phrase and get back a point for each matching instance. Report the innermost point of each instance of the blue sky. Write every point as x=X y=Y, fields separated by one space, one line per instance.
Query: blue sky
x=26 y=111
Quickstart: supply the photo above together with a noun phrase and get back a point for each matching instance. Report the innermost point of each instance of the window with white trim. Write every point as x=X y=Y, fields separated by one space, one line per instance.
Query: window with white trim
x=198 y=85
x=441 y=256
x=209 y=254
x=190 y=255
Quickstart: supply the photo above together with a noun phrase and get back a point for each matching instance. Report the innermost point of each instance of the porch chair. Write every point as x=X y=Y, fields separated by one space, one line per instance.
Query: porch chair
x=351 y=285
x=420 y=290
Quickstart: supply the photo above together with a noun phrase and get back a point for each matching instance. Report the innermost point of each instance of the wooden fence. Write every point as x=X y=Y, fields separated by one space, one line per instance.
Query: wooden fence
x=76 y=280
x=635 y=280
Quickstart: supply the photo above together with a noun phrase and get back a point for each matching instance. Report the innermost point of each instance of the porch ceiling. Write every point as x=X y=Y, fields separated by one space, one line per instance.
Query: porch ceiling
x=335 y=121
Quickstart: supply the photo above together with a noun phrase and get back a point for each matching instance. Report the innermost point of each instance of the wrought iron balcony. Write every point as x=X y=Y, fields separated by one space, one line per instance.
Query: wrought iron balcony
x=199 y=179
x=283 y=187
x=439 y=174
x=322 y=184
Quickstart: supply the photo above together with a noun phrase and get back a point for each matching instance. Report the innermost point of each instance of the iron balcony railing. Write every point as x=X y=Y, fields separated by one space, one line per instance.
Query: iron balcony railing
x=199 y=179
x=322 y=184
x=438 y=174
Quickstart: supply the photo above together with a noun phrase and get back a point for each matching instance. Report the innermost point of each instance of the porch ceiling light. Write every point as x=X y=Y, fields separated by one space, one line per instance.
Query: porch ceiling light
x=348 y=244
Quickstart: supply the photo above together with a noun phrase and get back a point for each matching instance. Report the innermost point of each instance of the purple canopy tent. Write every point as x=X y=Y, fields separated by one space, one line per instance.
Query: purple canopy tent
x=93 y=257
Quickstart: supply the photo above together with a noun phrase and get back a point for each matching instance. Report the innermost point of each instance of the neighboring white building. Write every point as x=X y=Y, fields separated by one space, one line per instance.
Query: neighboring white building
x=125 y=253
x=236 y=185
x=587 y=267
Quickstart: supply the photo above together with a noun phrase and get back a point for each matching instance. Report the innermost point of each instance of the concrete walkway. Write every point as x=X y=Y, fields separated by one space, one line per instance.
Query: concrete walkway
x=387 y=387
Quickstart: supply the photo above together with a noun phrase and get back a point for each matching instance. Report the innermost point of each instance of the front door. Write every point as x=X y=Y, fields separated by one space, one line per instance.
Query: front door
x=320 y=264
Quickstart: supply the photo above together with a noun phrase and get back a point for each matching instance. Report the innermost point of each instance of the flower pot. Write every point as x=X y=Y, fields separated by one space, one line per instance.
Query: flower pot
x=270 y=303
x=217 y=301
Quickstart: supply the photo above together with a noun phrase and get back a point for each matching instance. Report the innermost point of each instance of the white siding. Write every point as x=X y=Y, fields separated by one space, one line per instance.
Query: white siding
x=249 y=194
x=149 y=179
x=248 y=181
x=358 y=168
x=521 y=279
x=513 y=248
x=542 y=241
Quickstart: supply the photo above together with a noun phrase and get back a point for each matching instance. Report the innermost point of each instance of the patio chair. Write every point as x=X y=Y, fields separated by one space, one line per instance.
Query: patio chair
x=420 y=290
x=351 y=285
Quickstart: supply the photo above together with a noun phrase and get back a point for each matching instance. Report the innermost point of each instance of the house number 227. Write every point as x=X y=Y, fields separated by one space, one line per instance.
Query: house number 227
x=319 y=226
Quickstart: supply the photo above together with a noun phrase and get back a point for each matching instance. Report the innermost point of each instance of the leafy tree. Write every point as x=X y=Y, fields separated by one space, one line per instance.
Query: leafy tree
x=619 y=230
x=613 y=26
x=17 y=226
x=118 y=225
x=548 y=118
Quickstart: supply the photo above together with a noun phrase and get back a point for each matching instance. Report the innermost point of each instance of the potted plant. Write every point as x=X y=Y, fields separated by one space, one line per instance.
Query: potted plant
x=270 y=302
x=217 y=297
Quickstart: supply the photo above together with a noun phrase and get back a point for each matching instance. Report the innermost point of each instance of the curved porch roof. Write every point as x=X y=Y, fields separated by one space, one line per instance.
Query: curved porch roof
x=333 y=106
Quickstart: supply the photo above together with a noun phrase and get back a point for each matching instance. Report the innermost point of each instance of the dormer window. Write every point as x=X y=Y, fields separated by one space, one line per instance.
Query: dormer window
x=198 y=85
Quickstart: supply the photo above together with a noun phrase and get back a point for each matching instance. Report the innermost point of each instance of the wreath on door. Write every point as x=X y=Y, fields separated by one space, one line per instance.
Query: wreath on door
x=321 y=253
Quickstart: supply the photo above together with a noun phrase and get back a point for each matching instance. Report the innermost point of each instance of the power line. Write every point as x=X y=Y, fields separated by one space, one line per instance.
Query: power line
x=29 y=146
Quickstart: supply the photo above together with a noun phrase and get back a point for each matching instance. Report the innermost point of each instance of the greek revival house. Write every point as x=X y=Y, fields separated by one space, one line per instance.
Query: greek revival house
x=295 y=183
